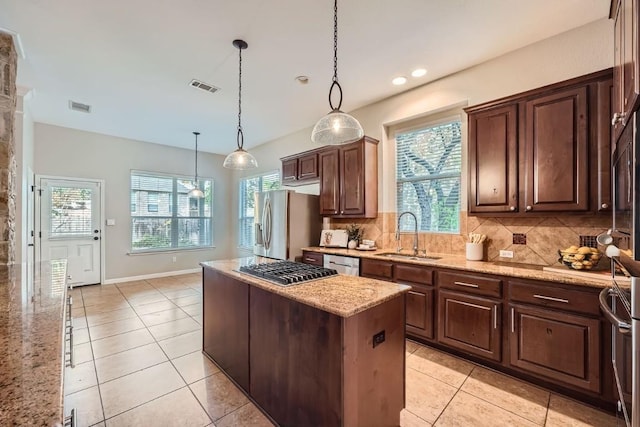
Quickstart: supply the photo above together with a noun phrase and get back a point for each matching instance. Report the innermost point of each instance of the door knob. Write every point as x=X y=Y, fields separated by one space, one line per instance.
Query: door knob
x=96 y=231
x=96 y=238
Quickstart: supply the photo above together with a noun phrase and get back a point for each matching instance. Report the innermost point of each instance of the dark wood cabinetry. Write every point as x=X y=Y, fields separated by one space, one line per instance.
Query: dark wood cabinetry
x=226 y=324
x=626 y=68
x=559 y=346
x=604 y=140
x=313 y=258
x=349 y=180
x=420 y=301
x=532 y=153
x=300 y=169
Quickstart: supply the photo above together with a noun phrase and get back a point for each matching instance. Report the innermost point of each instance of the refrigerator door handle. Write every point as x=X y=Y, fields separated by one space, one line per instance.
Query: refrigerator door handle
x=267 y=224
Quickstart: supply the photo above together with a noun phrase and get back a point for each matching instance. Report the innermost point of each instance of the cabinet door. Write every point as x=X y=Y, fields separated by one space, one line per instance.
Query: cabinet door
x=493 y=160
x=225 y=333
x=470 y=323
x=329 y=182
x=308 y=166
x=289 y=170
x=419 y=311
x=556 y=152
x=603 y=147
x=562 y=347
x=626 y=67
x=352 y=180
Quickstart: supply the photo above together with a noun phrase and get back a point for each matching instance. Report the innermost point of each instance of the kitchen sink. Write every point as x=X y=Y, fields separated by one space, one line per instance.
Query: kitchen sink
x=407 y=256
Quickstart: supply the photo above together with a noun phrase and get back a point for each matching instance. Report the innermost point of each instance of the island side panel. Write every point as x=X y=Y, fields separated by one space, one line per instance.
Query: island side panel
x=296 y=361
x=374 y=377
x=225 y=337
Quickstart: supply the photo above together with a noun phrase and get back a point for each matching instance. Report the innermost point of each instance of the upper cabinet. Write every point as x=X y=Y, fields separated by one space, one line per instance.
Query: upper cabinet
x=626 y=71
x=543 y=151
x=300 y=169
x=349 y=180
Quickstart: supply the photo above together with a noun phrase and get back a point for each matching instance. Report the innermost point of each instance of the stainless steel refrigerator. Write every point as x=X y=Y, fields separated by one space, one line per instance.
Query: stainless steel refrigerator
x=284 y=222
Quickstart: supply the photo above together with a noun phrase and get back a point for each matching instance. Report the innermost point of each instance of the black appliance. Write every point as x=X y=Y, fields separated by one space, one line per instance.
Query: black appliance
x=286 y=273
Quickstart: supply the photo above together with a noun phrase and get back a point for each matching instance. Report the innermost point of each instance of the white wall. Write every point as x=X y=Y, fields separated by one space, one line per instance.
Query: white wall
x=571 y=54
x=24 y=146
x=72 y=153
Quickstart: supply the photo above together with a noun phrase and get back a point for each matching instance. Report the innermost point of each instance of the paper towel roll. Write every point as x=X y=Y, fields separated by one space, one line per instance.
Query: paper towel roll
x=326 y=223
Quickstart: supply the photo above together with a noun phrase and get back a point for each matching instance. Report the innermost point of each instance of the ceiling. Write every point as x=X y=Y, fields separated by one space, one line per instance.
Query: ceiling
x=132 y=60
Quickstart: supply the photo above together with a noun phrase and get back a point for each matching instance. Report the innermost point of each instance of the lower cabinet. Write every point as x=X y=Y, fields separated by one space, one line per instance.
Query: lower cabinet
x=420 y=311
x=226 y=324
x=470 y=323
x=559 y=346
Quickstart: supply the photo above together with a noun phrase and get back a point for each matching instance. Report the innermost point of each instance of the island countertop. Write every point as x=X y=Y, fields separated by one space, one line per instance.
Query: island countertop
x=341 y=295
x=31 y=346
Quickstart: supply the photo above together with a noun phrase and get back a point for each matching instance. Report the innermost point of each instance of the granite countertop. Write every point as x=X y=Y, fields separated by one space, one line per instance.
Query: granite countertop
x=599 y=280
x=341 y=295
x=31 y=346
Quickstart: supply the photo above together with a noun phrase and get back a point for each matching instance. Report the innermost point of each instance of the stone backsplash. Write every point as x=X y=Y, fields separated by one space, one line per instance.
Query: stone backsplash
x=544 y=236
x=8 y=166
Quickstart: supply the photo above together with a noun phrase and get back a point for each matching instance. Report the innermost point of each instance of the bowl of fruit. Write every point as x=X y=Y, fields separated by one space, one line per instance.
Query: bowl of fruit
x=580 y=258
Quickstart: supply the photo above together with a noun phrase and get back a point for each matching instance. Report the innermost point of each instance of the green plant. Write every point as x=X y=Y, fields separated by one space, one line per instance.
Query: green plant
x=354 y=232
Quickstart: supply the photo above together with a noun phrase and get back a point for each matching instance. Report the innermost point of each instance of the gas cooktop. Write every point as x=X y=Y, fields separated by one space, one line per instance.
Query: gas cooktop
x=286 y=273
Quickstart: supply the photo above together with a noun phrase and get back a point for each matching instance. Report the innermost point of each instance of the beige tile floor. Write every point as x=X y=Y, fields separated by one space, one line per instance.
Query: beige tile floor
x=139 y=363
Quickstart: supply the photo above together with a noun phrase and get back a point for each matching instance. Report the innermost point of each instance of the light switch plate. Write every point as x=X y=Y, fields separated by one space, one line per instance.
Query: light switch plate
x=111 y=221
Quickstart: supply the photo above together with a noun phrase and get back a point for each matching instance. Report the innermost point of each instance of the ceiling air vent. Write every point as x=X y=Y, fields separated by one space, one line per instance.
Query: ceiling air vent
x=204 y=86
x=78 y=106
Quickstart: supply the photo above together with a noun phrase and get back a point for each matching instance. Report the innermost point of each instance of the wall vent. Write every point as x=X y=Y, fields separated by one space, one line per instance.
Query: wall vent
x=204 y=86
x=78 y=106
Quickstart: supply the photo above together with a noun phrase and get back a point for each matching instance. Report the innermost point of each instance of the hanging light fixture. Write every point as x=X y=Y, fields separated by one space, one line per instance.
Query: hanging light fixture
x=240 y=158
x=336 y=127
x=196 y=192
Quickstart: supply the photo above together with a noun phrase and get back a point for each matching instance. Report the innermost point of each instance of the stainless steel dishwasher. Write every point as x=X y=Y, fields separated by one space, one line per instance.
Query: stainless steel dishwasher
x=343 y=264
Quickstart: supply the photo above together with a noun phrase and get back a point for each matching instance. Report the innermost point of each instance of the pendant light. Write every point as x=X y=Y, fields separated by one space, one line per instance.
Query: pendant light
x=240 y=158
x=196 y=192
x=336 y=127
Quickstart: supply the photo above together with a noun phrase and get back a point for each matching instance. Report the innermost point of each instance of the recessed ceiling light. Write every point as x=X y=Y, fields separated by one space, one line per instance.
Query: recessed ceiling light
x=303 y=80
x=399 y=81
x=418 y=72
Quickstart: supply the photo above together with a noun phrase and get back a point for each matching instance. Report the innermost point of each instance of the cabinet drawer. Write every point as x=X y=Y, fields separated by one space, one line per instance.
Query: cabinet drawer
x=554 y=297
x=376 y=269
x=471 y=283
x=313 y=258
x=413 y=274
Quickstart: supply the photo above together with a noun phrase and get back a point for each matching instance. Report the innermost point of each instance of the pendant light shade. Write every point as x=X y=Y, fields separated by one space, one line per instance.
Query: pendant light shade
x=336 y=127
x=240 y=158
x=196 y=193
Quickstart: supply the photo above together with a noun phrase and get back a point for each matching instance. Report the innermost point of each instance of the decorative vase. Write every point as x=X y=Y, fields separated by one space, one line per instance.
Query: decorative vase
x=352 y=244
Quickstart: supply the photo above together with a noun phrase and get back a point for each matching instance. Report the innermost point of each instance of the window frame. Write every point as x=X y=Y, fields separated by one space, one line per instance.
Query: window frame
x=241 y=199
x=173 y=210
x=424 y=122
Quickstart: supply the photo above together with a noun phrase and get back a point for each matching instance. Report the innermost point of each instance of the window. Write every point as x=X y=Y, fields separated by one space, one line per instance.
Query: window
x=428 y=165
x=248 y=187
x=163 y=217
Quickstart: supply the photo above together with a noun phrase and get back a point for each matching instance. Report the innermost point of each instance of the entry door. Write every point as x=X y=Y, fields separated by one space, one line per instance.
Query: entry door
x=70 y=219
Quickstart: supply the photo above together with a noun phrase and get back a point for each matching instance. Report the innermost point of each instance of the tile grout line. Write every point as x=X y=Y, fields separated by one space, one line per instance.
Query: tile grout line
x=546 y=415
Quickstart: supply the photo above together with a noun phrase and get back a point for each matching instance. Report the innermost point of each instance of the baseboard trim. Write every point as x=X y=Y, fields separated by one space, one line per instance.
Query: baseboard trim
x=151 y=276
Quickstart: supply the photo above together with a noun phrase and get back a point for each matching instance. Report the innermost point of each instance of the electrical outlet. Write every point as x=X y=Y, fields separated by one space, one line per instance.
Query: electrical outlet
x=378 y=338
x=174 y=259
x=506 y=254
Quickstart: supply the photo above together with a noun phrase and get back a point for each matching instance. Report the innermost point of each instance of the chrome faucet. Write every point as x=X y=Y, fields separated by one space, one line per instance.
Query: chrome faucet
x=415 y=233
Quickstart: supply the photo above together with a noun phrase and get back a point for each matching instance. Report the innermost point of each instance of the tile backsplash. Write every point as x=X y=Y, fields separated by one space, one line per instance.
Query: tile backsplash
x=544 y=236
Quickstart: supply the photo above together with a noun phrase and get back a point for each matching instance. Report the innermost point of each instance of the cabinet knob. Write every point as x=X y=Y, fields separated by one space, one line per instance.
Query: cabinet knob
x=341 y=212
x=604 y=206
x=512 y=208
x=528 y=207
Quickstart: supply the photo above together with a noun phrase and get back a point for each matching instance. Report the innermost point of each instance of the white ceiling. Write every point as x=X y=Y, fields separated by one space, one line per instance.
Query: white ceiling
x=132 y=60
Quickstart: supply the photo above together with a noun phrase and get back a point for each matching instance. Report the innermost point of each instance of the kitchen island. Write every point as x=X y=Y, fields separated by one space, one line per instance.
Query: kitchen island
x=324 y=352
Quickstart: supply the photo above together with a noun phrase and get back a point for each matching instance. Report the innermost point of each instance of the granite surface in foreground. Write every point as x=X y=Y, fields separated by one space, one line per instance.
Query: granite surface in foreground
x=31 y=346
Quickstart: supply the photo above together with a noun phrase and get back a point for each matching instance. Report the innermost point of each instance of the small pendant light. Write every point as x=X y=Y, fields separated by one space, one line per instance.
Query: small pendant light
x=196 y=192
x=240 y=158
x=336 y=127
